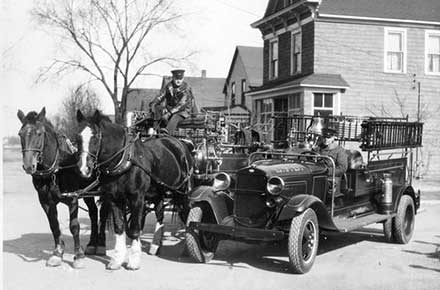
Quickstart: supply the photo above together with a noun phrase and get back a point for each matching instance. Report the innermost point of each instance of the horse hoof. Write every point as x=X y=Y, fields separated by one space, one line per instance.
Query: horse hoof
x=54 y=261
x=113 y=265
x=154 y=250
x=78 y=263
x=100 y=251
x=133 y=267
x=134 y=261
x=91 y=250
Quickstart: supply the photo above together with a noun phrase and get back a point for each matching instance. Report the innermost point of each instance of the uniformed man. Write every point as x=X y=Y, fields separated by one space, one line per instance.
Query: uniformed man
x=330 y=147
x=176 y=99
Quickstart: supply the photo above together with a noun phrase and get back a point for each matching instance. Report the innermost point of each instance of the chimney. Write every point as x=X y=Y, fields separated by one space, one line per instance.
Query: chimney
x=203 y=73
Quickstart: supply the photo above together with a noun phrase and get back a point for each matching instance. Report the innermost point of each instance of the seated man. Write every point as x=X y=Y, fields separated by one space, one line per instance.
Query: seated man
x=177 y=100
x=329 y=147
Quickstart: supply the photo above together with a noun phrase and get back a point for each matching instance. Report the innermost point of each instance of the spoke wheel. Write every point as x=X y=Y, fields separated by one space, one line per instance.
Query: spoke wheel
x=303 y=241
x=201 y=246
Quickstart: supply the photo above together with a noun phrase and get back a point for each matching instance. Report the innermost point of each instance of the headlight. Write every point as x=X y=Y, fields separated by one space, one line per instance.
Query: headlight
x=222 y=181
x=275 y=185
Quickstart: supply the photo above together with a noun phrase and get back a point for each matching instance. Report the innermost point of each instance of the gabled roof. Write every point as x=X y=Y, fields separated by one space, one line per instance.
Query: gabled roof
x=208 y=92
x=138 y=99
x=252 y=58
x=416 y=10
x=420 y=10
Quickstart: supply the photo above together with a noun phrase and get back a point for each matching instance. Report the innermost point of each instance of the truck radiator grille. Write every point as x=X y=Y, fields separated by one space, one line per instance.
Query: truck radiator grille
x=250 y=201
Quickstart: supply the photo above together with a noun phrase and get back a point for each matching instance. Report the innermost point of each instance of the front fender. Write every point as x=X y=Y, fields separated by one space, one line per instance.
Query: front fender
x=220 y=202
x=300 y=203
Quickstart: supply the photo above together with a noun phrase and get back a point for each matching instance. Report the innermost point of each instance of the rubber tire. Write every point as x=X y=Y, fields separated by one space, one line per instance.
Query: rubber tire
x=405 y=208
x=298 y=224
x=193 y=242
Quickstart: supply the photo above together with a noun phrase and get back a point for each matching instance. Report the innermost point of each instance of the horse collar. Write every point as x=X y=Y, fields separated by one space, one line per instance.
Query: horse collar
x=125 y=162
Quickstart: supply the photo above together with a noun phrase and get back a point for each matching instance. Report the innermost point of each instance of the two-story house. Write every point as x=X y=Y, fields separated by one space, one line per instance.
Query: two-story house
x=352 y=57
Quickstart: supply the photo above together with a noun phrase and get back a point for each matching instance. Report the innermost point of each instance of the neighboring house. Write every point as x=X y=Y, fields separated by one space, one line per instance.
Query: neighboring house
x=139 y=99
x=245 y=73
x=352 y=58
x=207 y=91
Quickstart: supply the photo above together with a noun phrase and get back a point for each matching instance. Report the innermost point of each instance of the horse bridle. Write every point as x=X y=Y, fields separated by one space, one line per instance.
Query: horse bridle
x=96 y=155
x=40 y=156
x=38 y=150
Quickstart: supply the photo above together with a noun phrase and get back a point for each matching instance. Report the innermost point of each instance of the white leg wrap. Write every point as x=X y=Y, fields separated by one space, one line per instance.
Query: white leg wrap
x=120 y=248
x=134 y=258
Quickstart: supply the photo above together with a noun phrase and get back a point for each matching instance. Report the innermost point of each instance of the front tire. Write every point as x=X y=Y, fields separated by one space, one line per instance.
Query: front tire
x=303 y=241
x=403 y=223
x=201 y=246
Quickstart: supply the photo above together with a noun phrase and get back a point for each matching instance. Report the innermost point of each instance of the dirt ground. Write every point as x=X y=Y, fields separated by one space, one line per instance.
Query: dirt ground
x=359 y=260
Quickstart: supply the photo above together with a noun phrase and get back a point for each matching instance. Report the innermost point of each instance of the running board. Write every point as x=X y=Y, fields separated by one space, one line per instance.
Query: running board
x=344 y=224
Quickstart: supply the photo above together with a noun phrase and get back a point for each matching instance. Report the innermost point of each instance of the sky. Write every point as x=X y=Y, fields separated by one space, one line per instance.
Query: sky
x=212 y=28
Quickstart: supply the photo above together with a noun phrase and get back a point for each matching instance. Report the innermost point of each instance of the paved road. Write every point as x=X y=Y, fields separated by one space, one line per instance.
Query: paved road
x=360 y=260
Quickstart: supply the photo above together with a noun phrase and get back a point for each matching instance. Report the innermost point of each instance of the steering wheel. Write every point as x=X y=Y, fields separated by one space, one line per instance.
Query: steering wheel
x=307 y=154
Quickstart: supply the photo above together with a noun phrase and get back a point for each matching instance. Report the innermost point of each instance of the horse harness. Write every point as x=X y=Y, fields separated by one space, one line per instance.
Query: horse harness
x=124 y=164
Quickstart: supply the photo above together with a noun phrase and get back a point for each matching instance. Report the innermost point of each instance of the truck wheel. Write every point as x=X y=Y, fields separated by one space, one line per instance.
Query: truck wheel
x=303 y=241
x=201 y=246
x=403 y=223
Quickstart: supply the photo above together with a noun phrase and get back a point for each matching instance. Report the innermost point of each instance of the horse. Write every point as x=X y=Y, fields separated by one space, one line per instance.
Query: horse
x=131 y=171
x=48 y=158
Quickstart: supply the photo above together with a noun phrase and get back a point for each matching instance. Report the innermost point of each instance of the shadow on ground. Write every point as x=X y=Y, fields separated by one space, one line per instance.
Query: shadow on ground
x=36 y=247
x=266 y=256
x=432 y=255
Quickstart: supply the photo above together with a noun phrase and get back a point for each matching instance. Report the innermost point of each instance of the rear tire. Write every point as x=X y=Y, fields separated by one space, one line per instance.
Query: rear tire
x=200 y=246
x=403 y=223
x=303 y=241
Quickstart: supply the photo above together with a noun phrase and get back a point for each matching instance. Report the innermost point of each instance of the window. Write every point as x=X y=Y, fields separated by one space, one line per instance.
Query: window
x=296 y=53
x=243 y=89
x=395 y=50
x=295 y=104
x=264 y=108
x=432 y=48
x=273 y=66
x=322 y=104
x=233 y=94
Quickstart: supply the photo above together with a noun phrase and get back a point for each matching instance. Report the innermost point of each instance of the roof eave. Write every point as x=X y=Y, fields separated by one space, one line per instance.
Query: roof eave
x=323 y=16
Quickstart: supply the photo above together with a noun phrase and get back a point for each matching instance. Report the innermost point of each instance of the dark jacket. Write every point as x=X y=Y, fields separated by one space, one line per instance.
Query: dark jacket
x=339 y=155
x=177 y=100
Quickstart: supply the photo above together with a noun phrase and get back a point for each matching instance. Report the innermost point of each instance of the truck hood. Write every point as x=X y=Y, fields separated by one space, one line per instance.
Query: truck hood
x=275 y=167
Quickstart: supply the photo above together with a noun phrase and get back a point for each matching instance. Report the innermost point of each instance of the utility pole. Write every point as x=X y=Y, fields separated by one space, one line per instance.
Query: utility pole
x=416 y=85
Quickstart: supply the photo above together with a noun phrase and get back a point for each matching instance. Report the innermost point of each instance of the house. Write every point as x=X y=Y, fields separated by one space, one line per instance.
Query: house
x=245 y=73
x=353 y=58
x=138 y=99
x=207 y=91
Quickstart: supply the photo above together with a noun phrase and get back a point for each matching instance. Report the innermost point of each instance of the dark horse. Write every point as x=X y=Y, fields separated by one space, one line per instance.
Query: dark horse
x=49 y=159
x=131 y=171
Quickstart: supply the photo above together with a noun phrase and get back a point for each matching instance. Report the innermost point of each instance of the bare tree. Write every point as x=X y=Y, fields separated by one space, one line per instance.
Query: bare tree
x=110 y=37
x=401 y=105
x=79 y=98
